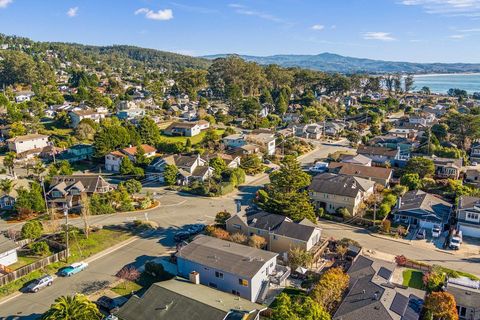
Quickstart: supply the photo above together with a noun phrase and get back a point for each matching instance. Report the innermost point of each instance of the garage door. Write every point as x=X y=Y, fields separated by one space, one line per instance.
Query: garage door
x=470 y=231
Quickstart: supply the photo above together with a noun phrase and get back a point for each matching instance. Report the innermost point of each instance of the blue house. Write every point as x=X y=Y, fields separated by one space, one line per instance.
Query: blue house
x=77 y=153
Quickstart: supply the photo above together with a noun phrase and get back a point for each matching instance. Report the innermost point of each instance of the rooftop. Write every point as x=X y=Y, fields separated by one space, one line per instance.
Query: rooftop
x=342 y=185
x=27 y=137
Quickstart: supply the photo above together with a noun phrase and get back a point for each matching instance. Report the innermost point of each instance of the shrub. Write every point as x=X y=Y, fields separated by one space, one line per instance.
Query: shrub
x=217 y=232
x=257 y=241
x=238 y=238
x=40 y=248
x=222 y=217
x=32 y=230
x=386 y=226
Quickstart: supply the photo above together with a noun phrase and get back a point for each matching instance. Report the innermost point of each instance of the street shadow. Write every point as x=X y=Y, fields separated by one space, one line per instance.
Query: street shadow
x=246 y=194
x=21 y=316
x=472 y=260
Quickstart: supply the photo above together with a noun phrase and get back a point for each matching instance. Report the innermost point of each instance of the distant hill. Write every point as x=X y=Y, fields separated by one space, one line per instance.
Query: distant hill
x=330 y=62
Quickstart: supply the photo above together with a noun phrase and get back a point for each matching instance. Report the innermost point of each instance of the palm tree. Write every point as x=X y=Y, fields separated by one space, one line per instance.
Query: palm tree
x=76 y=307
x=6 y=186
x=38 y=169
x=8 y=161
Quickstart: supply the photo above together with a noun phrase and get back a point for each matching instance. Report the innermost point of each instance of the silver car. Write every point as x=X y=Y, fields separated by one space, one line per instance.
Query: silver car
x=40 y=283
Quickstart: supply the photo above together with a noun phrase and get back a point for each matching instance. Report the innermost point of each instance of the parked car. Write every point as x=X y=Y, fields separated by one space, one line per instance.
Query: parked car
x=319 y=167
x=455 y=242
x=111 y=317
x=107 y=304
x=40 y=283
x=73 y=269
x=195 y=228
x=421 y=234
x=436 y=231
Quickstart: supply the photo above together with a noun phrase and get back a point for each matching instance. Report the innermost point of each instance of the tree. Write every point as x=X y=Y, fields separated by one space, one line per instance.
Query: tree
x=302 y=308
x=441 y=306
x=17 y=129
x=85 y=130
x=111 y=136
x=222 y=217
x=218 y=165
x=40 y=248
x=440 y=130
x=32 y=229
x=329 y=290
x=6 y=185
x=128 y=273
x=290 y=177
x=342 y=251
x=76 y=307
x=9 y=161
x=434 y=280
x=354 y=137
x=257 y=241
x=297 y=257
x=411 y=180
x=170 y=174
x=463 y=127
x=126 y=166
x=133 y=186
x=60 y=168
x=421 y=166
x=408 y=83
x=148 y=130
x=252 y=164
x=425 y=90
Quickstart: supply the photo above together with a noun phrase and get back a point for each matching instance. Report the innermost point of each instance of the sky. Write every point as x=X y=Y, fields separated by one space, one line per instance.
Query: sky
x=397 y=30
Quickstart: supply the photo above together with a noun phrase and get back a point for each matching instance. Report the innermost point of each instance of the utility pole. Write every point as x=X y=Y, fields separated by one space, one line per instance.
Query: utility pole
x=429 y=139
x=66 y=208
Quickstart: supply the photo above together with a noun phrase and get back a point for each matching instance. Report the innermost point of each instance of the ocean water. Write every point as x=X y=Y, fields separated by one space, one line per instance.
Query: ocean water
x=440 y=83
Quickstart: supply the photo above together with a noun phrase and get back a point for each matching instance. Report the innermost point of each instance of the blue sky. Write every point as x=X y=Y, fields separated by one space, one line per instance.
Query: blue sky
x=402 y=30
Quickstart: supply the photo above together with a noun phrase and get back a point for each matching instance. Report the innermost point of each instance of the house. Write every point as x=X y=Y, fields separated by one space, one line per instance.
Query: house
x=8 y=252
x=78 y=152
x=393 y=142
x=372 y=295
x=67 y=190
x=379 y=156
x=190 y=167
x=467 y=297
x=377 y=174
x=234 y=141
x=266 y=142
x=406 y=133
x=130 y=114
x=113 y=160
x=438 y=110
x=227 y=266
x=333 y=128
x=203 y=124
x=472 y=175
x=76 y=116
x=184 y=129
x=125 y=105
x=475 y=152
x=7 y=200
x=422 y=210
x=280 y=232
x=23 y=96
x=308 y=131
x=182 y=299
x=447 y=167
x=355 y=159
x=333 y=191
x=232 y=161
x=468 y=216
x=28 y=145
x=423 y=120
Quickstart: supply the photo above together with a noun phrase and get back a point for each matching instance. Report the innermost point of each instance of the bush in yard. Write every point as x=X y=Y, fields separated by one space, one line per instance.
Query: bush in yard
x=217 y=232
x=298 y=257
x=40 y=248
x=133 y=186
x=222 y=217
x=411 y=181
x=238 y=238
x=329 y=290
x=344 y=213
x=128 y=273
x=434 y=280
x=401 y=260
x=32 y=229
x=386 y=226
x=401 y=231
x=441 y=306
x=257 y=241
x=157 y=271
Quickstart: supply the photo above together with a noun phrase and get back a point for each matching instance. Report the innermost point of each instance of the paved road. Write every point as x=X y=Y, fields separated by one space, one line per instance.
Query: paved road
x=469 y=264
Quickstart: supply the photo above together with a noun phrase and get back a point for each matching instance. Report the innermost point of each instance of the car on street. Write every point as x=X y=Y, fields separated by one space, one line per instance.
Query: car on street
x=421 y=234
x=194 y=228
x=108 y=304
x=40 y=283
x=436 y=231
x=319 y=167
x=73 y=269
x=455 y=242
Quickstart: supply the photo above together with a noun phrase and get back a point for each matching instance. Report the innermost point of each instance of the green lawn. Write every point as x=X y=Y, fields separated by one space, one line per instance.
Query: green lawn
x=80 y=249
x=23 y=261
x=413 y=279
x=195 y=140
x=126 y=287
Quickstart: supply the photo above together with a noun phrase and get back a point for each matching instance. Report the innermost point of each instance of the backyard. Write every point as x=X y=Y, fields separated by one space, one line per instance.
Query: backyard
x=195 y=140
x=413 y=279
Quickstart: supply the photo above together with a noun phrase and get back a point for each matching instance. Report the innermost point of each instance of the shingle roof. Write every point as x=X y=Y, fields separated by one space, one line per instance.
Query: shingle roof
x=295 y=231
x=362 y=171
x=27 y=137
x=342 y=185
x=6 y=244
x=91 y=183
x=468 y=202
x=179 y=299
x=226 y=256
x=424 y=206
x=133 y=150
x=369 y=150
x=183 y=125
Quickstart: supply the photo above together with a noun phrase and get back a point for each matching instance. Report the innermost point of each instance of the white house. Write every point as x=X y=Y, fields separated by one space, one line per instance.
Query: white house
x=8 y=251
x=30 y=143
x=23 y=96
x=185 y=129
x=228 y=266
x=234 y=141
x=113 y=160
x=468 y=216
x=78 y=115
x=266 y=141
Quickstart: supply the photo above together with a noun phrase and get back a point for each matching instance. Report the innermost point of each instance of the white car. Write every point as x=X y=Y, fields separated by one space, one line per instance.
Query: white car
x=319 y=167
x=436 y=231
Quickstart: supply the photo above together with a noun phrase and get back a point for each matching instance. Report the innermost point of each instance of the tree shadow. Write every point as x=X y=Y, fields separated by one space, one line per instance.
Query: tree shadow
x=21 y=316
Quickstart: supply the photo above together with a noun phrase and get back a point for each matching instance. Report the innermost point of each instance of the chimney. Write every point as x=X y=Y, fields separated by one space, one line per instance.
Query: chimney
x=194 y=277
x=399 y=202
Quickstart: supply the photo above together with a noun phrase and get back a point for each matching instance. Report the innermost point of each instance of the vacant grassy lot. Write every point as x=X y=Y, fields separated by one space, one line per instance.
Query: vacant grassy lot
x=195 y=140
x=126 y=287
x=413 y=279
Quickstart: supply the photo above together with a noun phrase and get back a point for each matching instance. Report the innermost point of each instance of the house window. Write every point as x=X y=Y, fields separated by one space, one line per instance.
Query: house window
x=237 y=226
x=218 y=274
x=472 y=216
x=462 y=311
x=235 y=292
x=243 y=282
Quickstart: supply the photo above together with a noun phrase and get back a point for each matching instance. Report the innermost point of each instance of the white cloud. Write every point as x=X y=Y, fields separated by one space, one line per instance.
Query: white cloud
x=447 y=7
x=72 y=12
x=457 y=36
x=163 y=15
x=318 y=27
x=241 y=9
x=380 y=36
x=5 y=3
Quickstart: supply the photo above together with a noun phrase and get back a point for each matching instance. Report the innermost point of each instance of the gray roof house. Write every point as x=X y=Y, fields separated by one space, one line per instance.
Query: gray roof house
x=179 y=299
x=371 y=294
x=467 y=297
x=468 y=216
x=228 y=266
x=421 y=209
x=281 y=233
x=8 y=251
x=334 y=191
